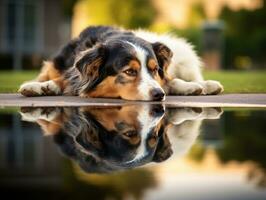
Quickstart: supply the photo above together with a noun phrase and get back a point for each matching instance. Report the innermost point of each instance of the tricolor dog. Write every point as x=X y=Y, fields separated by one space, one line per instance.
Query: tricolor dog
x=108 y=139
x=111 y=62
x=102 y=139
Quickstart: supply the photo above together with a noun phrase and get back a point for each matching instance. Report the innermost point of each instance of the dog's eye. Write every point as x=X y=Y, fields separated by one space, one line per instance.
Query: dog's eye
x=130 y=133
x=131 y=72
x=155 y=70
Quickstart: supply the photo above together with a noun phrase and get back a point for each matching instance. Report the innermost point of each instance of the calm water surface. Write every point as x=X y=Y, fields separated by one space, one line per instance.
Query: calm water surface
x=133 y=152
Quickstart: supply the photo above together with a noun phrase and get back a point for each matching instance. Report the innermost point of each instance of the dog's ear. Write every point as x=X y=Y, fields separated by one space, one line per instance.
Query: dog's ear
x=163 y=149
x=66 y=144
x=90 y=140
x=163 y=55
x=90 y=61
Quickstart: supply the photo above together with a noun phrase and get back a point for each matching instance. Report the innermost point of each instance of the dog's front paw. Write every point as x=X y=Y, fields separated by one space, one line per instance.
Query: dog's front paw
x=180 y=87
x=211 y=87
x=31 y=89
x=193 y=89
x=212 y=113
x=33 y=114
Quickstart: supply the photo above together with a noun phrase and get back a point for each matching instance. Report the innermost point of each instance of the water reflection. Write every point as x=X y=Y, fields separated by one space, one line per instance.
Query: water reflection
x=108 y=139
x=133 y=152
x=246 y=142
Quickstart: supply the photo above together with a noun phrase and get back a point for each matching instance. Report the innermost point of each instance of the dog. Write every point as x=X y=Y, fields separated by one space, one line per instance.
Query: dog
x=108 y=139
x=110 y=62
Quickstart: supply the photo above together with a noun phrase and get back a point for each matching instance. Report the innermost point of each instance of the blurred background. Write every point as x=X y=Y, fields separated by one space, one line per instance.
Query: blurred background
x=227 y=34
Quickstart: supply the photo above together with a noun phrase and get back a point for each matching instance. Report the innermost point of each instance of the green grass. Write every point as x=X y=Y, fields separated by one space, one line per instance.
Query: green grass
x=240 y=81
x=10 y=80
x=233 y=81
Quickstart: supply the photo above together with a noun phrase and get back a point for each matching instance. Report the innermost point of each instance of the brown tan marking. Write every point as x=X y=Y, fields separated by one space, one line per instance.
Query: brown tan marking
x=127 y=114
x=92 y=68
x=134 y=64
x=48 y=72
x=61 y=82
x=152 y=64
x=164 y=56
x=108 y=88
x=50 y=127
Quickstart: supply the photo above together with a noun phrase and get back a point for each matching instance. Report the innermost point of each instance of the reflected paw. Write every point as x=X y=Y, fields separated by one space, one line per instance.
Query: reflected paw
x=212 y=113
x=33 y=114
x=179 y=115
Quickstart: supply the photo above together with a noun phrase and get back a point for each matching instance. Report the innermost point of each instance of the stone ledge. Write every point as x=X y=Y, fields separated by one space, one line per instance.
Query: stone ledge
x=225 y=100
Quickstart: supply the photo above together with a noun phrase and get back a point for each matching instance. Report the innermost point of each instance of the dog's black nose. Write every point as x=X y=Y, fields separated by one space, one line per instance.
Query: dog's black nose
x=157 y=94
x=157 y=110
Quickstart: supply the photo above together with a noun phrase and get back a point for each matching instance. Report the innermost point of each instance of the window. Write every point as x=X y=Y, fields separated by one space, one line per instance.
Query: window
x=21 y=25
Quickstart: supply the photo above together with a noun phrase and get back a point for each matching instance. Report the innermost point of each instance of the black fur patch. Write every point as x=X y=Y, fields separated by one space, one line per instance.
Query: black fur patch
x=121 y=80
x=164 y=55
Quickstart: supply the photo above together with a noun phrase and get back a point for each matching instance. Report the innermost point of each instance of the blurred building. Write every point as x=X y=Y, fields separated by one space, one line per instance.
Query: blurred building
x=30 y=30
x=26 y=157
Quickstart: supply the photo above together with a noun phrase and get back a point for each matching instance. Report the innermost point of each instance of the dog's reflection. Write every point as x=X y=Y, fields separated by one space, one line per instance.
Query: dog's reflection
x=106 y=139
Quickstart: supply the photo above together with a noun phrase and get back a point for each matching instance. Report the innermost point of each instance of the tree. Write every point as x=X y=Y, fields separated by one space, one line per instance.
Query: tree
x=245 y=35
x=129 y=13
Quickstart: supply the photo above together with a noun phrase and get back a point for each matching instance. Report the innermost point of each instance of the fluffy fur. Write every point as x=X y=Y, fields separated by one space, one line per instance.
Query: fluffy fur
x=134 y=65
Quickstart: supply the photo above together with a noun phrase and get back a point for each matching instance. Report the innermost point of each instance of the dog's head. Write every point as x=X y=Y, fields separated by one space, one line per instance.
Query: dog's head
x=116 y=138
x=128 y=69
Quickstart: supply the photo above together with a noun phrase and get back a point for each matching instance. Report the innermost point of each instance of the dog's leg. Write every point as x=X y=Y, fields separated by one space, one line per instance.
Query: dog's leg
x=33 y=114
x=183 y=136
x=187 y=80
x=46 y=88
x=211 y=113
x=187 y=130
x=181 y=87
x=186 y=123
x=211 y=87
x=48 y=83
x=179 y=115
x=49 y=119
